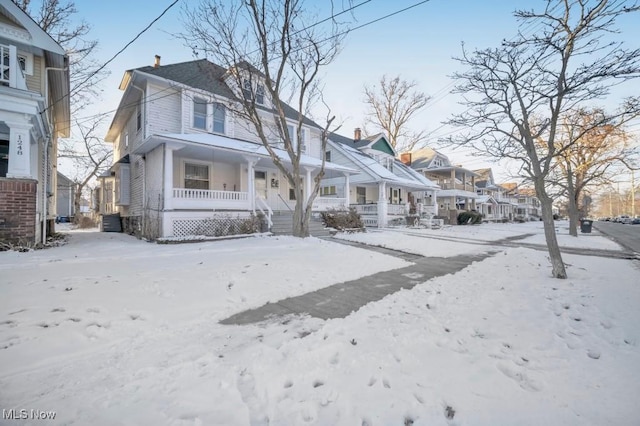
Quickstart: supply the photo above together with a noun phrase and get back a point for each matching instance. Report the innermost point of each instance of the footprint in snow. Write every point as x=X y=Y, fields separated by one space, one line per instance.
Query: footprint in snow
x=386 y=384
x=372 y=381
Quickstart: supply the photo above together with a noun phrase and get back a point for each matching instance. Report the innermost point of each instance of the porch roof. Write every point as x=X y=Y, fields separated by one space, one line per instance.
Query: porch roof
x=379 y=173
x=223 y=143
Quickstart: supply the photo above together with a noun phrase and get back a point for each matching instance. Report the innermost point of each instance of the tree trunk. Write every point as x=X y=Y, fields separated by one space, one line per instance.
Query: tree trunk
x=558 y=269
x=573 y=213
x=300 y=219
x=77 y=196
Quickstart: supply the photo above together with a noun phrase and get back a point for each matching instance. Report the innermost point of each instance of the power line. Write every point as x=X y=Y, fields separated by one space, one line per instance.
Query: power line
x=79 y=85
x=134 y=104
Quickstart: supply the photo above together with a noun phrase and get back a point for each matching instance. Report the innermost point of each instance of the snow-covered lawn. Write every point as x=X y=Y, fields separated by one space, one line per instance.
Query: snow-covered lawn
x=111 y=330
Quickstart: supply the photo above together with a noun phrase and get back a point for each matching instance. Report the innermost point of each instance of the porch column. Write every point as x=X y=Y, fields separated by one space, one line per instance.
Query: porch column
x=168 y=177
x=382 y=205
x=346 y=190
x=251 y=182
x=435 y=203
x=473 y=187
x=307 y=183
x=20 y=151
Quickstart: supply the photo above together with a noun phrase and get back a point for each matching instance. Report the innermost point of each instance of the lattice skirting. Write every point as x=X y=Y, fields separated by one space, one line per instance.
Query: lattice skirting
x=215 y=227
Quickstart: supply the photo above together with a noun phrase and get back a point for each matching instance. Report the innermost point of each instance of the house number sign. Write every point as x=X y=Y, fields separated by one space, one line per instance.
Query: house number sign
x=19 y=150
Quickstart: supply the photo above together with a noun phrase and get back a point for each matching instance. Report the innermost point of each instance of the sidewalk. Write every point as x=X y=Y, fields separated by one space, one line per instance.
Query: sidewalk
x=340 y=300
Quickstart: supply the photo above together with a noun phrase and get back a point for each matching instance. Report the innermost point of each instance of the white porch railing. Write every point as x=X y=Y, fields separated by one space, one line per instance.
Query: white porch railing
x=10 y=72
x=184 y=198
x=366 y=208
x=325 y=203
x=392 y=209
x=371 y=221
x=262 y=205
x=396 y=209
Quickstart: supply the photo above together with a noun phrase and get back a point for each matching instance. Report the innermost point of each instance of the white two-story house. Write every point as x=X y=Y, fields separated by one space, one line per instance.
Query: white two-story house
x=183 y=157
x=493 y=201
x=458 y=189
x=34 y=113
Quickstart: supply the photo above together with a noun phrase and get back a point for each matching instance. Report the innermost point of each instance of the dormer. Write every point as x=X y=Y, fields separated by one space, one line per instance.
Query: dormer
x=376 y=146
x=248 y=83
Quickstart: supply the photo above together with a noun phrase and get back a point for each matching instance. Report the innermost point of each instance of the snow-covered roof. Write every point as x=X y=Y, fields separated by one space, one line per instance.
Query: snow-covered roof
x=404 y=177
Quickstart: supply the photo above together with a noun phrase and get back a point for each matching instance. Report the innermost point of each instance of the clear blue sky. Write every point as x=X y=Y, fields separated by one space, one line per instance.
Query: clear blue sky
x=417 y=45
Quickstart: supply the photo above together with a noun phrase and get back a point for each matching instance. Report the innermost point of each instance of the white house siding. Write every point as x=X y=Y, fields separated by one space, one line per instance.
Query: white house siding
x=162 y=108
x=137 y=176
x=34 y=81
x=154 y=166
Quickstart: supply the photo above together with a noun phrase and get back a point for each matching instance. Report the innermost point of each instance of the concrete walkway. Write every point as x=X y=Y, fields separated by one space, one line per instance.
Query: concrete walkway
x=339 y=300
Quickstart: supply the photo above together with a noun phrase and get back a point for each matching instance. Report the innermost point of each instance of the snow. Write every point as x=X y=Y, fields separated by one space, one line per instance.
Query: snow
x=136 y=340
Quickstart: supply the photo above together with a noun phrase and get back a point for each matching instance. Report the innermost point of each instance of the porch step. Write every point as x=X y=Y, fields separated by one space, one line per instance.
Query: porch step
x=111 y=223
x=283 y=224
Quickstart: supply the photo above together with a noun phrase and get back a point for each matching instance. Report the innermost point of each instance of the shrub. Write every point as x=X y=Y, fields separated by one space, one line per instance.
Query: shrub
x=342 y=219
x=469 y=218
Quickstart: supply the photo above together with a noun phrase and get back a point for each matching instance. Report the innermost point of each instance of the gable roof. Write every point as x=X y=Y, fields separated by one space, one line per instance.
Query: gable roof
x=199 y=74
x=404 y=175
x=421 y=158
x=38 y=37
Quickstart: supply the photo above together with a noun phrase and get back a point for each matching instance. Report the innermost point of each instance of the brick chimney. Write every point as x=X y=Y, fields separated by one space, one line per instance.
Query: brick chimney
x=156 y=64
x=405 y=157
x=357 y=134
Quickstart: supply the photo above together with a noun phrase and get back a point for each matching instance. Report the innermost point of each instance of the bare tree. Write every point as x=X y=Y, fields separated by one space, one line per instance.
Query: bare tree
x=592 y=146
x=57 y=19
x=517 y=93
x=392 y=106
x=90 y=156
x=274 y=51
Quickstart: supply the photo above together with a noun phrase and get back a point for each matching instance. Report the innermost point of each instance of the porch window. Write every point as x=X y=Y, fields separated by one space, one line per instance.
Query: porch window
x=328 y=190
x=200 y=113
x=361 y=194
x=292 y=194
x=196 y=176
x=4 y=158
x=327 y=156
x=219 y=115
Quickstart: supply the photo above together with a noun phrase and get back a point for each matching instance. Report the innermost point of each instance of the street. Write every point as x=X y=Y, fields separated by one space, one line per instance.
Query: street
x=626 y=235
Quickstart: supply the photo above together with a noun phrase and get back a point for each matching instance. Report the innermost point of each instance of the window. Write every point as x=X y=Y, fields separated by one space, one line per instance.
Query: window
x=292 y=136
x=303 y=140
x=4 y=158
x=361 y=194
x=126 y=140
x=260 y=94
x=196 y=176
x=200 y=113
x=327 y=156
x=219 y=114
x=246 y=89
x=328 y=190
x=139 y=119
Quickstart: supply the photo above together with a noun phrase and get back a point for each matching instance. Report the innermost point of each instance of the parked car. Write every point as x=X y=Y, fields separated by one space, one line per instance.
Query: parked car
x=626 y=220
x=635 y=221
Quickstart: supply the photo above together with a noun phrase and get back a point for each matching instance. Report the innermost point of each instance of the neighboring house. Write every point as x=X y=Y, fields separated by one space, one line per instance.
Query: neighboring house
x=183 y=157
x=492 y=200
x=458 y=189
x=34 y=113
x=384 y=189
x=528 y=205
x=65 y=195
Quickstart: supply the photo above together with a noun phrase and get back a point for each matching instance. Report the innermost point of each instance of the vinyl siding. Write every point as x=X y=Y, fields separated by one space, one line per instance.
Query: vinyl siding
x=34 y=82
x=163 y=110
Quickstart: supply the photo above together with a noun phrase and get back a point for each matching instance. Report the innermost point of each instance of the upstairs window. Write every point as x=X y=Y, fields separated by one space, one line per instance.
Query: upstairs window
x=260 y=94
x=196 y=176
x=219 y=116
x=246 y=89
x=138 y=119
x=303 y=140
x=200 y=113
x=327 y=156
